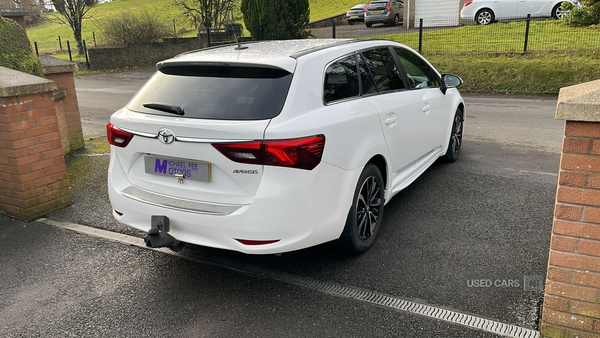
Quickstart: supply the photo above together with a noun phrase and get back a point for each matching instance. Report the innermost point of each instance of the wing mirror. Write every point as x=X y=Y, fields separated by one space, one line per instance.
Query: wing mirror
x=450 y=81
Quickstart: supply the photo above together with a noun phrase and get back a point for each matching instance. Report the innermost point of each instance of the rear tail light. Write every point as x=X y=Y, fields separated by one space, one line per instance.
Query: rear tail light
x=117 y=137
x=388 y=7
x=301 y=153
x=468 y=3
x=365 y=10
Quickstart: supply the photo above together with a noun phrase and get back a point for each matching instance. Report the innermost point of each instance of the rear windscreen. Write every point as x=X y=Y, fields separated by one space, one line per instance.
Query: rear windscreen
x=376 y=6
x=210 y=92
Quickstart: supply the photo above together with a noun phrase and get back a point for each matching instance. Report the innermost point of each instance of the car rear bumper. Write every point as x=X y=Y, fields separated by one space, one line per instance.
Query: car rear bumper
x=387 y=18
x=298 y=208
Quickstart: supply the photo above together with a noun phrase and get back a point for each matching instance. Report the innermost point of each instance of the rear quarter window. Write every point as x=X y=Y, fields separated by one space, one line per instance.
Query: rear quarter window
x=341 y=80
x=211 y=92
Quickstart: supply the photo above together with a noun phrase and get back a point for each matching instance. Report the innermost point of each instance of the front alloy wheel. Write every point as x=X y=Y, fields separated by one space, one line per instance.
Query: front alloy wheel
x=364 y=218
x=455 y=138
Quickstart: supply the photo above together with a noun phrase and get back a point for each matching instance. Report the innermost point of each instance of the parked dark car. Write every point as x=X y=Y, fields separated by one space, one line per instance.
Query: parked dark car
x=356 y=14
x=385 y=12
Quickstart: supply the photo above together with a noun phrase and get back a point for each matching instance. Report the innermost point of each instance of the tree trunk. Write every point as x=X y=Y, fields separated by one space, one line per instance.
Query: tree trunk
x=77 y=34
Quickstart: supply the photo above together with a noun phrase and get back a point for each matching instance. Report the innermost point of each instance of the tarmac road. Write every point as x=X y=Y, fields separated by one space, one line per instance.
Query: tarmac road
x=486 y=217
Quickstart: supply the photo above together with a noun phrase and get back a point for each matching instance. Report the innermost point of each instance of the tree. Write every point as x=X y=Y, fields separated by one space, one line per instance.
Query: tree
x=209 y=13
x=279 y=19
x=585 y=13
x=15 y=49
x=73 y=12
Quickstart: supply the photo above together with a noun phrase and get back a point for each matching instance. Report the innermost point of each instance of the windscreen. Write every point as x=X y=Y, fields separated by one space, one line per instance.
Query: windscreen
x=215 y=92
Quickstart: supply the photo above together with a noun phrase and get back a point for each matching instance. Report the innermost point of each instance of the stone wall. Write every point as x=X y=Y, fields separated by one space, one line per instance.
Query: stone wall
x=119 y=57
x=572 y=299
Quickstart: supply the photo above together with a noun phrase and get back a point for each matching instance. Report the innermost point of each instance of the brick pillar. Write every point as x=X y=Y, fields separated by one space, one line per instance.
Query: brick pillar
x=33 y=174
x=572 y=299
x=61 y=72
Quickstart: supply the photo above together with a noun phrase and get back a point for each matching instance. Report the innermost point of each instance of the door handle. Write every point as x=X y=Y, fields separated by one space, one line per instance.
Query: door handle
x=426 y=108
x=390 y=119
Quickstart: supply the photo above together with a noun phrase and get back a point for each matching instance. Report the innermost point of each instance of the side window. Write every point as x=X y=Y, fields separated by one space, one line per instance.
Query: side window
x=368 y=85
x=341 y=80
x=419 y=74
x=383 y=67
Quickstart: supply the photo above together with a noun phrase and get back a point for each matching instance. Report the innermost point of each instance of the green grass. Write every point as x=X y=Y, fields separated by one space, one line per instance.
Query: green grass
x=545 y=35
x=321 y=9
x=530 y=74
x=47 y=33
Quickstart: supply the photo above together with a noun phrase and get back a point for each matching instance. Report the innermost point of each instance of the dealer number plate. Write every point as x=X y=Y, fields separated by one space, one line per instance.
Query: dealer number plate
x=197 y=171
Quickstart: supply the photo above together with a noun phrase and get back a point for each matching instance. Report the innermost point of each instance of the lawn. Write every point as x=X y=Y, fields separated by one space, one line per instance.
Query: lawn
x=544 y=35
x=47 y=33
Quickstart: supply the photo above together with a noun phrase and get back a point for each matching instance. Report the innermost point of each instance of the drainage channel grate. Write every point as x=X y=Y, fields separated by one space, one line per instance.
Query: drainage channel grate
x=317 y=285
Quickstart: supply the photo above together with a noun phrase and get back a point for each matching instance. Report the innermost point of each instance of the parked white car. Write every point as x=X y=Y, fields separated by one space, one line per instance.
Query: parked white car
x=485 y=12
x=280 y=145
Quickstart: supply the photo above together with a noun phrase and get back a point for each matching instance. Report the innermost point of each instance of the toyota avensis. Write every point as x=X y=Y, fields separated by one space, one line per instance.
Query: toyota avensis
x=276 y=146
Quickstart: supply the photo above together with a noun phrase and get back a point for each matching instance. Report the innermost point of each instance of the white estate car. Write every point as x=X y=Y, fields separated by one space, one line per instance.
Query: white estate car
x=280 y=145
x=485 y=12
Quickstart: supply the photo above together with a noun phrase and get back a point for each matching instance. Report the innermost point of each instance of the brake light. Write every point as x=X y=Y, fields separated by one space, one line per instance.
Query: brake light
x=388 y=7
x=301 y=153
x=117 y=137
x=468 y=3
x=365 y=10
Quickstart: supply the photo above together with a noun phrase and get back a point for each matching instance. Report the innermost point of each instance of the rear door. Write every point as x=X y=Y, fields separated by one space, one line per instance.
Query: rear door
x=221 y=105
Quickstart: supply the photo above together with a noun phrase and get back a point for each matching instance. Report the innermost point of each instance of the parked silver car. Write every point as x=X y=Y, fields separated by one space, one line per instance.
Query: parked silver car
x=356 y=14
x=385 y=12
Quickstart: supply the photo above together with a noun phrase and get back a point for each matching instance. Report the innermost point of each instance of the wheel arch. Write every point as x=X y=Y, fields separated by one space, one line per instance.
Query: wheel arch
x=381 y=164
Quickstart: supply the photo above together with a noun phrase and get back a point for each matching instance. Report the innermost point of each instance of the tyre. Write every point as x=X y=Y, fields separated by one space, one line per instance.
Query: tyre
x=559 y=12
x=455 y=141
x=484 y=17
x=396 y=20
x=368 y=24
x=364 y=217
x=351 y=23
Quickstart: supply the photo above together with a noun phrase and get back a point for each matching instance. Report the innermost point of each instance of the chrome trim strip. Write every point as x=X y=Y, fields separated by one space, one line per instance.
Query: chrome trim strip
x=138 y=133
x=182 y=138
x=174 y=203
x=207 y=140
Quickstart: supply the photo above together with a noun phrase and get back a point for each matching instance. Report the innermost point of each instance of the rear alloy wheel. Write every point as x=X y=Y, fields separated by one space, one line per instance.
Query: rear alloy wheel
x=484 y=17
x=368 y=24
x=364 y=218
x=559 y=12
x=455 y=138
x=396 y=20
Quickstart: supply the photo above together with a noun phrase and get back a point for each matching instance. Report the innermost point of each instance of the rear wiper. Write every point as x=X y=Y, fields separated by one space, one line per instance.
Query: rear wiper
x=169 y=108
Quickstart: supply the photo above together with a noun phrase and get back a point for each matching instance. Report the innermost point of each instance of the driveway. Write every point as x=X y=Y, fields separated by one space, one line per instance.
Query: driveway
x=484 y=218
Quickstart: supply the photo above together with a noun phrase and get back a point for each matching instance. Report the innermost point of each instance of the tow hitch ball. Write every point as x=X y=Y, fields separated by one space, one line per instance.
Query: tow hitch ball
x=157 y=236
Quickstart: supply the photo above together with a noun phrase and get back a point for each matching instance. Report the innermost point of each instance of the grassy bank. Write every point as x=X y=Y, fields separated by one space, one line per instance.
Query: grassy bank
x=532 y=74
x=47 y=33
